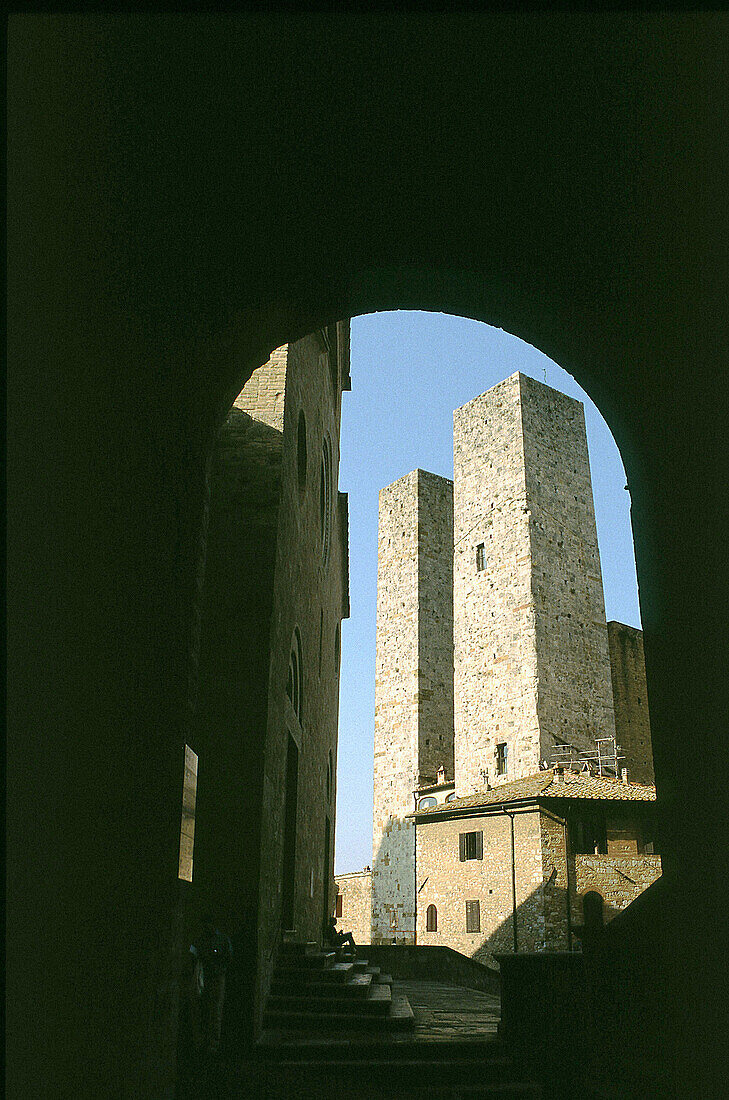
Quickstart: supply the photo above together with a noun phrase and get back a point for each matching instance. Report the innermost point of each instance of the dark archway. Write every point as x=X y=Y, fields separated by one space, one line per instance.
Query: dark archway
x=175 y=214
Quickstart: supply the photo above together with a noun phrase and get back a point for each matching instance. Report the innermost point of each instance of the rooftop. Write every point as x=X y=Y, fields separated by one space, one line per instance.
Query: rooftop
x=544 y=785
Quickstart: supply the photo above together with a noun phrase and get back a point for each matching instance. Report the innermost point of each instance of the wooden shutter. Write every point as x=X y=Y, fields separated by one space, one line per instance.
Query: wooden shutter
x=462 y=846
x=338 y=906
x=473 y=916
x=479 y=845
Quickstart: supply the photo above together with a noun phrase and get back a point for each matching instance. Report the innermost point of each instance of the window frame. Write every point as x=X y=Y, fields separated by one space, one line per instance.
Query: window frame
x=470 y=845
x=473 y=916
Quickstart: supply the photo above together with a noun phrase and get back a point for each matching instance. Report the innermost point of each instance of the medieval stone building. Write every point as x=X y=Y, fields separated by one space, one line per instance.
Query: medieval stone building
x=275 y=592
x=494 y=659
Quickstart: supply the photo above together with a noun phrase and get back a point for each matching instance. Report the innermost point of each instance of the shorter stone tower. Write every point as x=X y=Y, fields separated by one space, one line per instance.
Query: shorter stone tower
x=532 y=667
x=414 y=682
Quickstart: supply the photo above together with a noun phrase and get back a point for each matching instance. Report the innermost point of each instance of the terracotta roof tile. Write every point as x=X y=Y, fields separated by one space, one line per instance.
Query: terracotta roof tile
x=543 y=785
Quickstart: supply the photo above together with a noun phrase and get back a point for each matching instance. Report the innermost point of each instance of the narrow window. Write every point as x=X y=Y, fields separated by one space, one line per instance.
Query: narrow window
x=294 y=677
x=473 y=916
x=431 y=919
x=187 y=828
x=502 y=757
x=470 y=846
x=480 y=557
x=325 y=499
x=338 y=906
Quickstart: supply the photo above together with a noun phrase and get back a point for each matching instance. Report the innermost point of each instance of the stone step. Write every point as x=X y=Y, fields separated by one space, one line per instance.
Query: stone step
x=303 y=980
x=299 y=947
x=375 y=1001
x=336 y=999
x=404 y=1080
x=356 y=987
x=384 y=1013
x=371 y=1049
x=322 y=960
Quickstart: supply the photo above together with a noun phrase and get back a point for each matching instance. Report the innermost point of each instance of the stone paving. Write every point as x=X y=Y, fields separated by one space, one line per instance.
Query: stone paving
x=444 y=1012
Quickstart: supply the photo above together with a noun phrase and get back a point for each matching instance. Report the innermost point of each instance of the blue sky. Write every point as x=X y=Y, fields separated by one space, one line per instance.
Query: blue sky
x=410 y=370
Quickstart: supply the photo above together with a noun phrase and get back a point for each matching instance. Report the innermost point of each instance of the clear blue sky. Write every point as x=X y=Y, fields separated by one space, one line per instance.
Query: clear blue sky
x=410 y=370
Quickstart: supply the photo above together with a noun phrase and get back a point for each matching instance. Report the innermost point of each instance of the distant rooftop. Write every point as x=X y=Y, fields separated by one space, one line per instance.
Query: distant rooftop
x=544 y=785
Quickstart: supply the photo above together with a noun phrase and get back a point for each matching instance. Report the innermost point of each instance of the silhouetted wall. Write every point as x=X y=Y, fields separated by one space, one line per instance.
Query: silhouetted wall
x=175 y=214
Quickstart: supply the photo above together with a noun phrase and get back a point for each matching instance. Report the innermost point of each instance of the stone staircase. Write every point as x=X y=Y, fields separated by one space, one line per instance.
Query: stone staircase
x=331 y=991
x=375 y=1068
x=333 y=1027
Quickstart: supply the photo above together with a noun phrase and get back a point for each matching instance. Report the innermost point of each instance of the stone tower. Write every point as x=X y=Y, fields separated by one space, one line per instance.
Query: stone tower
x=532 y=666
x=414 y=682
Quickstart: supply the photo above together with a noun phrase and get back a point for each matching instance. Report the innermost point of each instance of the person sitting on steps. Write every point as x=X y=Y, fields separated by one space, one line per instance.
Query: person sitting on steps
x=333 y=938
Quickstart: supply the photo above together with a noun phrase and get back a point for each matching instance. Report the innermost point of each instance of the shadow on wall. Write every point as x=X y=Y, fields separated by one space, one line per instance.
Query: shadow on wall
x=542 y=924
x=229 y=734
x=394 y=861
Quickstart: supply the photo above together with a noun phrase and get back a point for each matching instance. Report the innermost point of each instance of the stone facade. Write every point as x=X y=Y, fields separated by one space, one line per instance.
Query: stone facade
x=475 y=694
x=276 y=591
x=531 y=654
x=449 y=883
x=536 y=902
x=630 y=696
x=414 y=684
x=353 y=905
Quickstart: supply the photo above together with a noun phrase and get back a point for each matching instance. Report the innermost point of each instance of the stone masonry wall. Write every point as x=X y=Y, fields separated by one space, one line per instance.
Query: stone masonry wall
x=435 y=626
x=308 y=596
x=414 y=682
x=531 y=652
x=574 y=696
x=494 y=628
x=355 y=891
x=229 y=732
x=618 y=879
x=446 y=882
x=396 y=711
x=264 y=392
x=630 y=698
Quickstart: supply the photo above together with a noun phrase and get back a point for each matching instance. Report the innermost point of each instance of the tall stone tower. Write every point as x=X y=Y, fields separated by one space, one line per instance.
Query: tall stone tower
x=414 y=682
x=532 y=665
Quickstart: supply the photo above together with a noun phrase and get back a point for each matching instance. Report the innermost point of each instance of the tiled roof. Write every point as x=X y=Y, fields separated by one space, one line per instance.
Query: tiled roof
x=544 y=785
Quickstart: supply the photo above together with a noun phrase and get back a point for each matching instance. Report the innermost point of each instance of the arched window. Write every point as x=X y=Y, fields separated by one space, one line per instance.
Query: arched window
x=592 y=908
x=426 y=802
x=325 y=499
x=294 y=678
x=431 y=919
x=450 y=797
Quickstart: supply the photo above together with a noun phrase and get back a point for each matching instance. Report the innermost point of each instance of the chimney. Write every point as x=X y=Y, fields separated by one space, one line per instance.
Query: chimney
x=624 y=775
x=441 y=774
x=558 y=773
